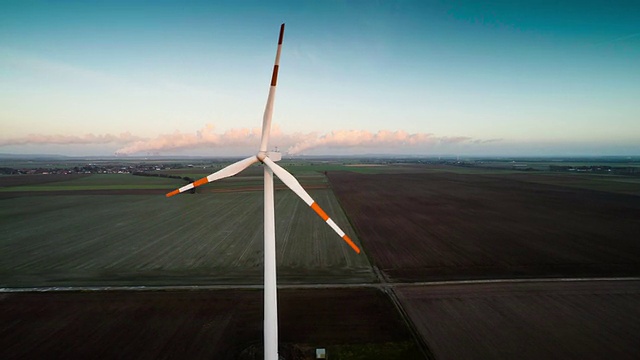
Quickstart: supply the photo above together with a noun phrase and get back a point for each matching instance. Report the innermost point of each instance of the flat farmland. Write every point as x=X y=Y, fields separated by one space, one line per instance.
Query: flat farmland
x=23 y=183
x=537 y=320
x=21 y=180
x=197 y=324
x=439 y=225
x=199 y=239
x=629 y=185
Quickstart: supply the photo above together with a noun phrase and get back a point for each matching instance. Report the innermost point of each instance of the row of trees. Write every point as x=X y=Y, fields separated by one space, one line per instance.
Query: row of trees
x=185 y=178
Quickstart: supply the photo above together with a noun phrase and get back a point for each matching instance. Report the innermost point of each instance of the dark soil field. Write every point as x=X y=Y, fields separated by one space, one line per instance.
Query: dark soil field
x=552 y=320
x=16 y=180
x=629 y=185
x=189 y=324
x=439 y=226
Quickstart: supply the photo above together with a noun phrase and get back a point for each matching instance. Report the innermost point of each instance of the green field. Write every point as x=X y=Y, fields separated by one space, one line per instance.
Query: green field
x=187 y=239
x=297 y=168
x=99 y=182
x=466 y=170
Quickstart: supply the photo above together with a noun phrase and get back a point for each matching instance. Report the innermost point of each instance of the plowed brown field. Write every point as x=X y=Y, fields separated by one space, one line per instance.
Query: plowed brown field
x=551 y=320
x=428 y=226
x=187 y=324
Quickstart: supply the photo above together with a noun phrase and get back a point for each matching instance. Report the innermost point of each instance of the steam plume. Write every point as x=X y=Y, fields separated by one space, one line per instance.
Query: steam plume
x=361 y=138
x=295 y=143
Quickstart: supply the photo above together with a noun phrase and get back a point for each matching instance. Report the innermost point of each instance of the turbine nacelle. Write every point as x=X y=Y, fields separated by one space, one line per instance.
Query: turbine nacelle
x=273 y=155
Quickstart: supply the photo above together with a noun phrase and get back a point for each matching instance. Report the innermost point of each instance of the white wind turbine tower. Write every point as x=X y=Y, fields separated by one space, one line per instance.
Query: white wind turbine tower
x=268 y=158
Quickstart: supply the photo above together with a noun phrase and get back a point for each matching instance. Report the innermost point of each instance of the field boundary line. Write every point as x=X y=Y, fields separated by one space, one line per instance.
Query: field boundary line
x=420 y=341
x=304 y=286
x=514 y=281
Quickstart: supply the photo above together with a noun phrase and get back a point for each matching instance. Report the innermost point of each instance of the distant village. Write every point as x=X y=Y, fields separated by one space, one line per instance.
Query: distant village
x=86 y=169
x=619 y=170
x=155 y=168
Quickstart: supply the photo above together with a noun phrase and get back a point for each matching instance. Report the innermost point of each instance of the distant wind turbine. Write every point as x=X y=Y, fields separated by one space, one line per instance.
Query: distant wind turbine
x=268 y=159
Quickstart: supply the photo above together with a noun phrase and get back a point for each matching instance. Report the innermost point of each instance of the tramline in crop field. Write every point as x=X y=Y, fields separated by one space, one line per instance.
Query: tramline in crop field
x=140 y=240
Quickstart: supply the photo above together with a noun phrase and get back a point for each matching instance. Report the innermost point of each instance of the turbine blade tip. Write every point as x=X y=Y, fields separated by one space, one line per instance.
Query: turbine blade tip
x=174 y=192
x=281 y=34
x=348 y=240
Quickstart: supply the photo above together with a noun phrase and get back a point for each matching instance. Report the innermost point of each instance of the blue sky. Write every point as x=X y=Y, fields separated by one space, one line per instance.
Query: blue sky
x=404 y=77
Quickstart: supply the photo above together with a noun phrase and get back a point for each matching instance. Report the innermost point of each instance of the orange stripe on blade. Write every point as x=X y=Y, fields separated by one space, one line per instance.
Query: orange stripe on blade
x=320 y=212
x=353 y=246
x=274 y=77
x=174 y=192
x=202 y=181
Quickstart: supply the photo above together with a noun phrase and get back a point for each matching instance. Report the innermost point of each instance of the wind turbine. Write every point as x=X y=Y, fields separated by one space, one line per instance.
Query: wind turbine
x=269 y=159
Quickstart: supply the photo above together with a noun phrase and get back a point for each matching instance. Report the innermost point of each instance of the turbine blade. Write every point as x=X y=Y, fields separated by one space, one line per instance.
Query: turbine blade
x=294 y=185
x=220 y=174
x=268 y=110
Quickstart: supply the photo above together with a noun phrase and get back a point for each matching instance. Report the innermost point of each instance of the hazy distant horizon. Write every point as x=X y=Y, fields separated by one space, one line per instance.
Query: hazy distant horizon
x=36 y=155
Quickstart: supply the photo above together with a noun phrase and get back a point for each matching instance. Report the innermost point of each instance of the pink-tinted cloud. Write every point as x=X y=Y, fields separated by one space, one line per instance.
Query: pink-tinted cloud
x=248 y=139
x=382 y=138
x=87 y=139
x=205 y=137
x=295 y=143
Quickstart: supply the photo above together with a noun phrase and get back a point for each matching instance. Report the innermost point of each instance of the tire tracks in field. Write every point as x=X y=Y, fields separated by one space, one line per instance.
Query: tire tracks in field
x=388 y=290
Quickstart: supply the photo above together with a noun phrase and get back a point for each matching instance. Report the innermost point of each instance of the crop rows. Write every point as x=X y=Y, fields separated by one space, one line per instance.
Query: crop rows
x=151 y=240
